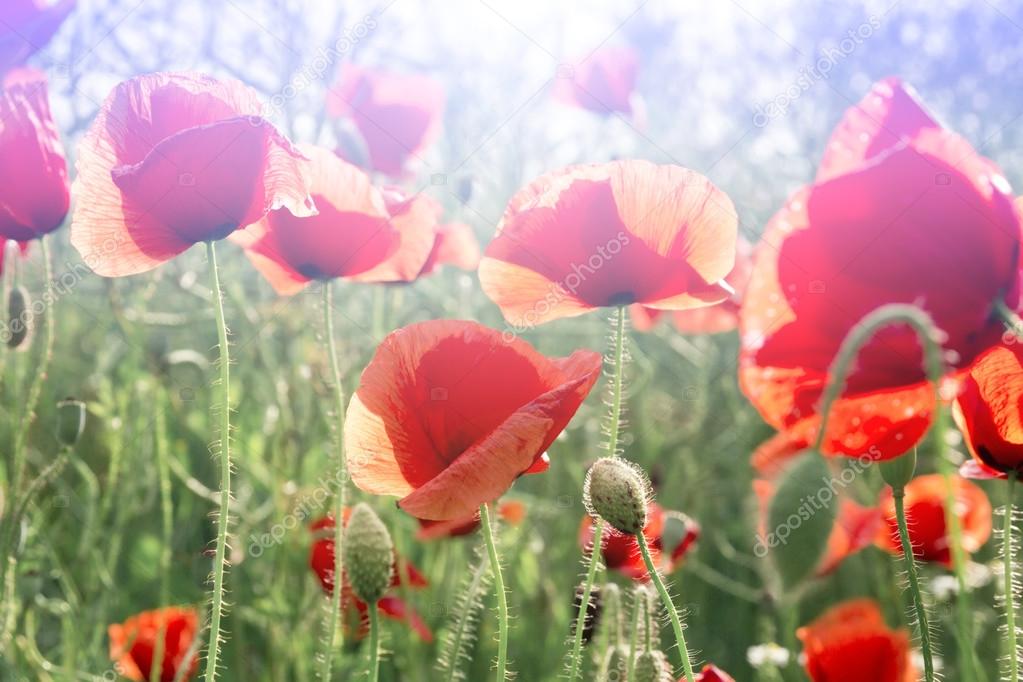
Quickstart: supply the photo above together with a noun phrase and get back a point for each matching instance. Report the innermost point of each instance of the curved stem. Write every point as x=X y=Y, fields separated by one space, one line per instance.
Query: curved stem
x=333 y=631
x=899 y=495
x=219 y=559
x=374 y=643
x=633 y=633
x=502 y=598
x=584 y=601
x=1010 y=596
x=669 y=606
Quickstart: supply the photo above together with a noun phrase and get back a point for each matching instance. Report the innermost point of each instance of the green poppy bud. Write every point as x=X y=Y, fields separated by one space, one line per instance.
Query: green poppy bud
x=369 y=554
x=18 y=302
x=899 y=472
x=616 y=490
x=652 y=666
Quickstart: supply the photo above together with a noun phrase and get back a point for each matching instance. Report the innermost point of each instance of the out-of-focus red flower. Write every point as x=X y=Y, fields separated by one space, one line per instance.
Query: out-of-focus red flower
x=174 y=159
x=454 y=244
x=602 y=83
x=711 y=673
x=712 y=319
x=34 y=187
x=133 y=643
x=586 y=237
x=449 y=413
x=669 y=534
x=902 y=211
x=852 y=643
x=989 y=411
x=397 y=115
x=321 y=560
x=350 y=235
x=22 y=249
x=925 y=515
x=511 y=512
x=26 y=26
x=417 y=221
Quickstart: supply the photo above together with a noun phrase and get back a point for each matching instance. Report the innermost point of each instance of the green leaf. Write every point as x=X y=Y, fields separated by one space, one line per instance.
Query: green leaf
x=800 y=519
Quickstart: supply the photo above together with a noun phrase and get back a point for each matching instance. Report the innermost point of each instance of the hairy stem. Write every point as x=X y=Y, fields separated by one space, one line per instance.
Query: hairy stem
x=899 y=495
x=502 y=598
x=1010 y=596
x=633 y=634
x=220 y=557
x=374 y=643
x=669 y=606
x=575 y=668
x=333 y=631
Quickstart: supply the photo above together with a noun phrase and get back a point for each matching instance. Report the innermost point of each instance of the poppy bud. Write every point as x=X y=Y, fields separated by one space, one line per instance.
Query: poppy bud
x=652 y=666
x=615 y=665
x=616 y=490
x=17 y=317
x=648 y=603
x=369 y=554
x=899 y=471
x=70 y=421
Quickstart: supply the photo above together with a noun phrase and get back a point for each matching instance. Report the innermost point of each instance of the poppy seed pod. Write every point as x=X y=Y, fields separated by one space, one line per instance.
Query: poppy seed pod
x=616 y=491
x=899 y=471
x=369 y=554
x=652 y=666
x=17 y=308
x=70 y=421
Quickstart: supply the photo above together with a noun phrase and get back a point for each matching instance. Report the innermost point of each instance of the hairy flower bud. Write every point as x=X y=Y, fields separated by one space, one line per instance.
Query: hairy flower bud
x=369 y=554
x=652 y=666
x=615 y=665
x=616 y=490
x=70 y=421
x=18 y=302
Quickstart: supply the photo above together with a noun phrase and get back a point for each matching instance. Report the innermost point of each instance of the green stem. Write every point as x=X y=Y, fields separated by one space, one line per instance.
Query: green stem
x=614 y=423
x=333 y=631
x=636 y=596
x=167 y=531
x=899 y=495
x=219 y=559
x=616 y=390
x=374 y=643
x=1010 y=597
x=584 y=601
x=17 y=473
x=669 y=606
x=502 y=598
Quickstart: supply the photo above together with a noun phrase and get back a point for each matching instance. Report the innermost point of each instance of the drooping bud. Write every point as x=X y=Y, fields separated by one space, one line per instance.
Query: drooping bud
x=18 y=302
x=616 y=490
x=369 y=554
x=647 y=607
x=652 y=666
x=899 y=472
x=70 y=421
x=615 y=666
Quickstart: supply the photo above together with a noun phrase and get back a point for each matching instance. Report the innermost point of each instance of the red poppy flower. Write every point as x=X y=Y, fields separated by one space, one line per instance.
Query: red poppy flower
x=611 y=234
x=903 y=211
x=133 y=643
x=416 y=219
x=350 y=235
x=511 y=512
x=26 y=26
x=398 y=116
x=454 y=244
x=34 y=188
x=670 y=535
x=989 y=411
x=852 y=643
x=321 y=561
x=174 y=159
x=602 y=83
x=712 y=319
x=449 y=413
x=925 y=515
x=711 y=673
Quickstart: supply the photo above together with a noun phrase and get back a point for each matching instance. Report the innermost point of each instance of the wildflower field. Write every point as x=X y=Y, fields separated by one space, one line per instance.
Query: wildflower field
x=625 y=341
